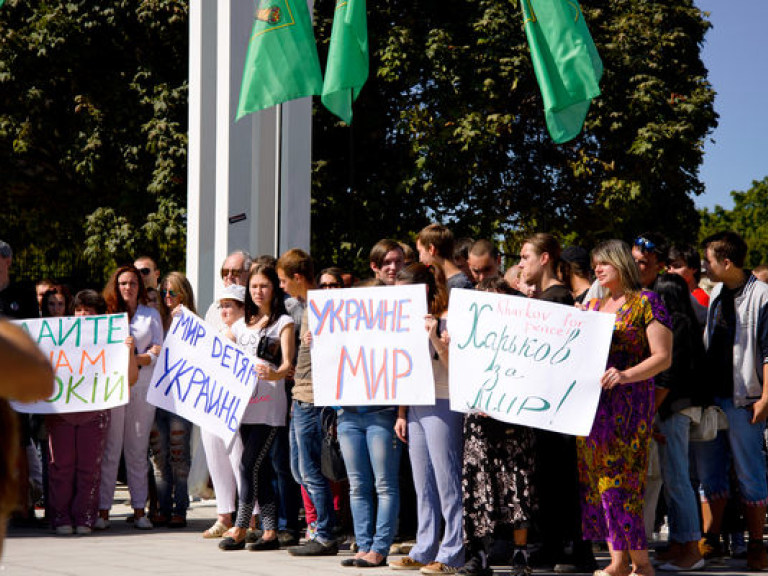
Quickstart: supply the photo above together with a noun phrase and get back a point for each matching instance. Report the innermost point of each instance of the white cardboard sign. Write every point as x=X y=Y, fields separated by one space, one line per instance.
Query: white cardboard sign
x=370 y=346
x=526 y=361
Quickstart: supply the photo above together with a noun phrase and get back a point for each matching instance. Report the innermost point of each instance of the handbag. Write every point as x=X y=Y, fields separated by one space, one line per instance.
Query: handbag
x=712 y=420
x=331 y=461
x=269 y=349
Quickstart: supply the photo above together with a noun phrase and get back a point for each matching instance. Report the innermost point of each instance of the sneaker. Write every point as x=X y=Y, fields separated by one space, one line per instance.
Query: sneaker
x=757 y=557
x=474 y=567
x=520 y=565
x=710 y=547
x=64 y=530
x=406 y=563
x=438 y=568
x=83 y=530
x=142 y=523
x=315 y=548
x=101 y=523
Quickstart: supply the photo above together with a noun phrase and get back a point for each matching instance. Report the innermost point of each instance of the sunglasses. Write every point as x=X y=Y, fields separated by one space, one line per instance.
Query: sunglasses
x=644 y=244
x=171 y=293
x=145 y=271
x=230 y=272
x=326 y=285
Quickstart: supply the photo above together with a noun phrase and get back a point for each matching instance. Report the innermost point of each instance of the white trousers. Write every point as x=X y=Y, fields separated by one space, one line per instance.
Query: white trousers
x=223 y=466
x=129 y=429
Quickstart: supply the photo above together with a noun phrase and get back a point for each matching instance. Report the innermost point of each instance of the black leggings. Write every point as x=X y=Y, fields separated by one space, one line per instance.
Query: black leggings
x=256 y=476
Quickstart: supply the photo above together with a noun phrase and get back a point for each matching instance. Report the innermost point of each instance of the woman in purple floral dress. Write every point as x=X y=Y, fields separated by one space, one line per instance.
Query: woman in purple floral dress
x=613 y=459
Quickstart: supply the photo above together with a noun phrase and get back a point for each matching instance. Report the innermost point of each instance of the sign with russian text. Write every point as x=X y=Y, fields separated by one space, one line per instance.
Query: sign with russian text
x=526 y=361
x=89 y=358
x=202 y=376
x=370 y=346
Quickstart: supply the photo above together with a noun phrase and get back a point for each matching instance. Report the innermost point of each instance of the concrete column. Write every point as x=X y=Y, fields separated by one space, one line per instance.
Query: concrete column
x=201 y=154
x=233 y=166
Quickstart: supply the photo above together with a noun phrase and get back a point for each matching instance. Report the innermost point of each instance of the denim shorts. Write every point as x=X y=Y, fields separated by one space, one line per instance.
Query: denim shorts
x=741 y=445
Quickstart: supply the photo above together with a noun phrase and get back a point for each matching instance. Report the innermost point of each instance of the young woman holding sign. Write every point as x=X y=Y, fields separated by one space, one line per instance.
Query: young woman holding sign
x=434 y=436
x=76 y=443
x=130 y=424
x=613 y=459
x=267 y=334
x=170 y=436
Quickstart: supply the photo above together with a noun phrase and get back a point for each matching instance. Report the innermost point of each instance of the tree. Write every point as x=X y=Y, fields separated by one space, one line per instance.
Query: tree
x=93 y=129
x=450 y=127
x=748 y=217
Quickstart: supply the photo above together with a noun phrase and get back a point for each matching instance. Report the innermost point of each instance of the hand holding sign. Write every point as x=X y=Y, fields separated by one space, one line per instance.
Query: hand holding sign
x=202 y=377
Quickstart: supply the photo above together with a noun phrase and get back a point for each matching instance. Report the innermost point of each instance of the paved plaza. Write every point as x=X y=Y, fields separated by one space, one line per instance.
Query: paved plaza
x=123 y=550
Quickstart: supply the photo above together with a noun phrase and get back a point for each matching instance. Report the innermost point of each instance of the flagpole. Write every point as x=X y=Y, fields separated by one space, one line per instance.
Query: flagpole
x=278 y=163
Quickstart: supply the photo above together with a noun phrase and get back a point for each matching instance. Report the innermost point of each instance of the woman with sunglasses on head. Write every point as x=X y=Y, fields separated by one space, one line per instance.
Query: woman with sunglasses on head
x=131 y=424
x=170 y=436
x=267 y=333
x=613 y=459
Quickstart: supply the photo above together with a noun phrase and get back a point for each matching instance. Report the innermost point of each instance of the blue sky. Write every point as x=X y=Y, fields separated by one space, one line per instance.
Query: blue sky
x=736 y=53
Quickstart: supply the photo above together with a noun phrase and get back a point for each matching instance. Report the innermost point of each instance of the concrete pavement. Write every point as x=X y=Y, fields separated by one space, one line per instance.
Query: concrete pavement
x=123 y=550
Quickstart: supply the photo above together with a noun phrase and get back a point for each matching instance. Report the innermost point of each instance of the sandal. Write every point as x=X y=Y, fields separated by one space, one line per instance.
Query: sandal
x=216 y=531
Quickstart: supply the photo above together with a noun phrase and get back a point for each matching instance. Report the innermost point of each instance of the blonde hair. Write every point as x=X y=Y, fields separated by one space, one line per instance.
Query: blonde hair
x=178 y=283
x=619 y=255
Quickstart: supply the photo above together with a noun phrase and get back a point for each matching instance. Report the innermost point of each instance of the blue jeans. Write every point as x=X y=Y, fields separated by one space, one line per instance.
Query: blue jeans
x=171 y=459
x=286 y=489
x=681 y=499
x=372 y=455
x=306 y=440
x=744 y=441
x=435 y=443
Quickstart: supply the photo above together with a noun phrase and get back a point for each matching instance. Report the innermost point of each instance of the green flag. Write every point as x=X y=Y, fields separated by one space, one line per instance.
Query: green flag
x=565 y=61
x=347 y=68
x=282 y=61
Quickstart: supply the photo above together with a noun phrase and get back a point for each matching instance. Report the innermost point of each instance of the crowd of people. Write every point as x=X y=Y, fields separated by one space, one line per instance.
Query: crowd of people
x=470 y=490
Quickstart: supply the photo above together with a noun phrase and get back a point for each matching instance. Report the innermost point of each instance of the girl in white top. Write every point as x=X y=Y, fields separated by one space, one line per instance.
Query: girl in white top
x=130 y=425
x=267 y=333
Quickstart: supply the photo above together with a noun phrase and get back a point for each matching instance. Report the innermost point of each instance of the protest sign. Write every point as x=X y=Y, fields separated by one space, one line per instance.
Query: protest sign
x=202 y=376
x=89 y=358
x=527 y=361
x=370 y=347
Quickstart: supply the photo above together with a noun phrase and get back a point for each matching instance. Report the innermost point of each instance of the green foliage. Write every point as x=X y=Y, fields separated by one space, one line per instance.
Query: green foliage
x=748 y=217
x=93 y=128
x=450 y=127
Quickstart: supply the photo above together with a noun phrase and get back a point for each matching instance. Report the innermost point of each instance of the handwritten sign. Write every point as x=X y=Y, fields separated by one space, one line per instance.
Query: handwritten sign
x=370 y=347
x=90 y=361
x=526 y=361
x=202 y=376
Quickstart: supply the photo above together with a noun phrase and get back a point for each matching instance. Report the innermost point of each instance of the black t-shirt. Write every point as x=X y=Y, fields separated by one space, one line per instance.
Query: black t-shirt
x=557 y=293
x=722 y=334
x=17 y=303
